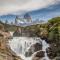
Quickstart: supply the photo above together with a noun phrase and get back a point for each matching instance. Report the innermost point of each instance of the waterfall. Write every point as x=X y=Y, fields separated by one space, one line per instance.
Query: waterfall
x=44 y=46
x=21 y=44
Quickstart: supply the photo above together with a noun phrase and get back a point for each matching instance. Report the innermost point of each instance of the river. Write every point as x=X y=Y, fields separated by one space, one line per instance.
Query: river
x=21 y=44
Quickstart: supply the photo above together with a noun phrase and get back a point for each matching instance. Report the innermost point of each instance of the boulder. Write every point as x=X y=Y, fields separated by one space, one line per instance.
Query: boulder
x=51 y=52
x=17 y=32
x=38 y=55
x=28 y=53
x=35 y=47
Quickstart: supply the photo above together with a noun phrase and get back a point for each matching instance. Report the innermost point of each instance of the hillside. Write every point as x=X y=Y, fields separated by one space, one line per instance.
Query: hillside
x=9 y=27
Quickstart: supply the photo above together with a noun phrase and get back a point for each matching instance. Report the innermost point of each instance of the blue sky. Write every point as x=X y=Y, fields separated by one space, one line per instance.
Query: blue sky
x=46 y=13
x=38 y=9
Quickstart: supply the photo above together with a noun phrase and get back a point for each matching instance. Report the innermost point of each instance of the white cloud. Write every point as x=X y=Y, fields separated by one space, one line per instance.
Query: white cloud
x=10 y=6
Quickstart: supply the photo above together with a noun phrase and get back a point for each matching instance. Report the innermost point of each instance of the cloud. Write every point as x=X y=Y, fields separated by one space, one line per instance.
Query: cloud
x=11 y=6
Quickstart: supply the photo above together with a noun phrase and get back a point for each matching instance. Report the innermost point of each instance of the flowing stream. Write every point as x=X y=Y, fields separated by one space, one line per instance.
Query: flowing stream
x=21 y=44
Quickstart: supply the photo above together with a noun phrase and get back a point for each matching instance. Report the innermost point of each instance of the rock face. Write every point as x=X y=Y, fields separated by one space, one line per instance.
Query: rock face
x=17 y=33
x=51 y=51
x=38 y=55
x=4 y=33
x=5 y=52
x=35 y=47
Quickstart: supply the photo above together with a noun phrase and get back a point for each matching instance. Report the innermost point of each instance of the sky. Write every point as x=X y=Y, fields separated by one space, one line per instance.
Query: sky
x=38 y=9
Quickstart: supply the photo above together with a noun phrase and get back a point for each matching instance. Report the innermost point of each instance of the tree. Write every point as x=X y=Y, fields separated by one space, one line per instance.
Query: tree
x=54 y=20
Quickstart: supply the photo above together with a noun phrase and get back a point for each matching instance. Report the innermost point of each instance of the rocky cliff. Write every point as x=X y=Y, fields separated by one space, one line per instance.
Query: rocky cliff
x=5 y=52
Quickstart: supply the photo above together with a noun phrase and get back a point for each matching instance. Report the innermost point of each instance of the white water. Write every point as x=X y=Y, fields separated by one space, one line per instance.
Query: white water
x=21 y=44
x=44 y=46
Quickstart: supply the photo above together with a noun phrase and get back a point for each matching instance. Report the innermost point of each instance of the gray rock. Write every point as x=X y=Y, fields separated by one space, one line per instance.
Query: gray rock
x=38 y=55
x=35 y=47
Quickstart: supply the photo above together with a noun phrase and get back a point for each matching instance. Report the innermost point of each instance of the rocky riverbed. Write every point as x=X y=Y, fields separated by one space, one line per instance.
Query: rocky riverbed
x=29 y=48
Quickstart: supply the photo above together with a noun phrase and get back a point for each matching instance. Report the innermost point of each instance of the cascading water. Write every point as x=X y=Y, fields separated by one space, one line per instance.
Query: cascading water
x=21 y=44
x=44 y=46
